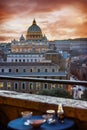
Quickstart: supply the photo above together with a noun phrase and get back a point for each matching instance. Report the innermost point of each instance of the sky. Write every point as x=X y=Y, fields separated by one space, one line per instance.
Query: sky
x=58 y=19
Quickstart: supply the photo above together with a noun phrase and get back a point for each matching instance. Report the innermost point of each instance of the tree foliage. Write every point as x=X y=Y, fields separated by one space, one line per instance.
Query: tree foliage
x=84 y=96
x=59 y=92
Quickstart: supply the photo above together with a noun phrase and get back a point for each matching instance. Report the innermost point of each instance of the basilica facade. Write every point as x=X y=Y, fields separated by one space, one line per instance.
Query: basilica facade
x=34 y=41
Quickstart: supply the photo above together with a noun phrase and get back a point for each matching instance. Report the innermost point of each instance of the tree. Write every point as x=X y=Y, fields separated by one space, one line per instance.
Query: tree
x=59 y=92
x=84 y=96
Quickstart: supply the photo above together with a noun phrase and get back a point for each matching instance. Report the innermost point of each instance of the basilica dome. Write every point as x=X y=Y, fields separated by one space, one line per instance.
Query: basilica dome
x=34 y=28
x=34 y=32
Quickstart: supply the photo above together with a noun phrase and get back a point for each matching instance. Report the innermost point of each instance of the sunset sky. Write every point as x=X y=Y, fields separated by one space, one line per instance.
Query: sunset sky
x=58 y=19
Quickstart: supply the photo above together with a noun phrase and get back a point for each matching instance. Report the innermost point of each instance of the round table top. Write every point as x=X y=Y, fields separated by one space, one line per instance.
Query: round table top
x=18 y=124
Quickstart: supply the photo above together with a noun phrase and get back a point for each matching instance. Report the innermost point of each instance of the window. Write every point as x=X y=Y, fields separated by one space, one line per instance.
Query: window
x=38 y=70
x=1 y=85
x=53 y=86
x=9 y=70
x=19 y=60
x=30 y=85
x=23 y=85
x=15 y=60
x=45 y=70
x=2 y=70
x=8 y=85
x=16 y=70
x=61 y=85
x=45 y=86
x=16 y=86
x=24 y=70
x=38 y=85
x=53 y=70
x=31 y=70
x=23 y=60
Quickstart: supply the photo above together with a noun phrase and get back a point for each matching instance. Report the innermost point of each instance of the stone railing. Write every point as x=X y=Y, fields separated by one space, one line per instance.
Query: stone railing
x=12 y=103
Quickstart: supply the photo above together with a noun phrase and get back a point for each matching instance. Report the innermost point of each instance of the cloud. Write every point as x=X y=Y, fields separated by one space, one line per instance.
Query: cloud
x=37 y=6
x=58 y=18
x=67 y=26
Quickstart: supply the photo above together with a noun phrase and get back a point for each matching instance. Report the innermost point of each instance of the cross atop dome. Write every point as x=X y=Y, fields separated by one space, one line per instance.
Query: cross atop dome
x=34 y=21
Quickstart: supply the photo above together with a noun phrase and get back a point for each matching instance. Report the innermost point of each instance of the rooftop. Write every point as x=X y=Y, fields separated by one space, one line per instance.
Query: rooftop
x=41 y=74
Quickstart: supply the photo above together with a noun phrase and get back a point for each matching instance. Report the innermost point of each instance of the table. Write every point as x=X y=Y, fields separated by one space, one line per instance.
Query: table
x=18 y=124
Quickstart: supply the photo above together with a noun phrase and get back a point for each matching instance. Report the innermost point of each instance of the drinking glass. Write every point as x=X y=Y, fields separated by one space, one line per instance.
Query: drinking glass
x=26 y=117
x=51 y=116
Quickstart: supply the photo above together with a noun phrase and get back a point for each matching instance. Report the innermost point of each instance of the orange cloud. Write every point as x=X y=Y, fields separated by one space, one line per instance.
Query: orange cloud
x=59 y=19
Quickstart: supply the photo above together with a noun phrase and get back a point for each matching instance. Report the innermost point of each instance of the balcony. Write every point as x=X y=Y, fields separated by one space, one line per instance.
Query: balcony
x=12 y=103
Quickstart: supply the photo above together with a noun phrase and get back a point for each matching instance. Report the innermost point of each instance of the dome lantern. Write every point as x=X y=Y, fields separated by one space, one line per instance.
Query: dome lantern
x=34 y=21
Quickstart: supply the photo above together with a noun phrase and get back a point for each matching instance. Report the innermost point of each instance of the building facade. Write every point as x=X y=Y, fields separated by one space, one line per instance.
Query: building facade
x=32 y=57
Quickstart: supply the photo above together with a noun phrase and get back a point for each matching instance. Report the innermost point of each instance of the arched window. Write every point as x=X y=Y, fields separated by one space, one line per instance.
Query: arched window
x=23 y=86
x=1 y=85
x=16 y=86
x=53 y=70
x=38 y=70
x=46 y=70
x=15 y=60
x=38 y=86
x=30 y=85
x=23 y=60
x=8 y=85
x=16 y=70
x=31 y=70
x=24 y=70
x=2 y=70
x=45 y=86
x=53 y=86
x=9 y=70
x=19 y=60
